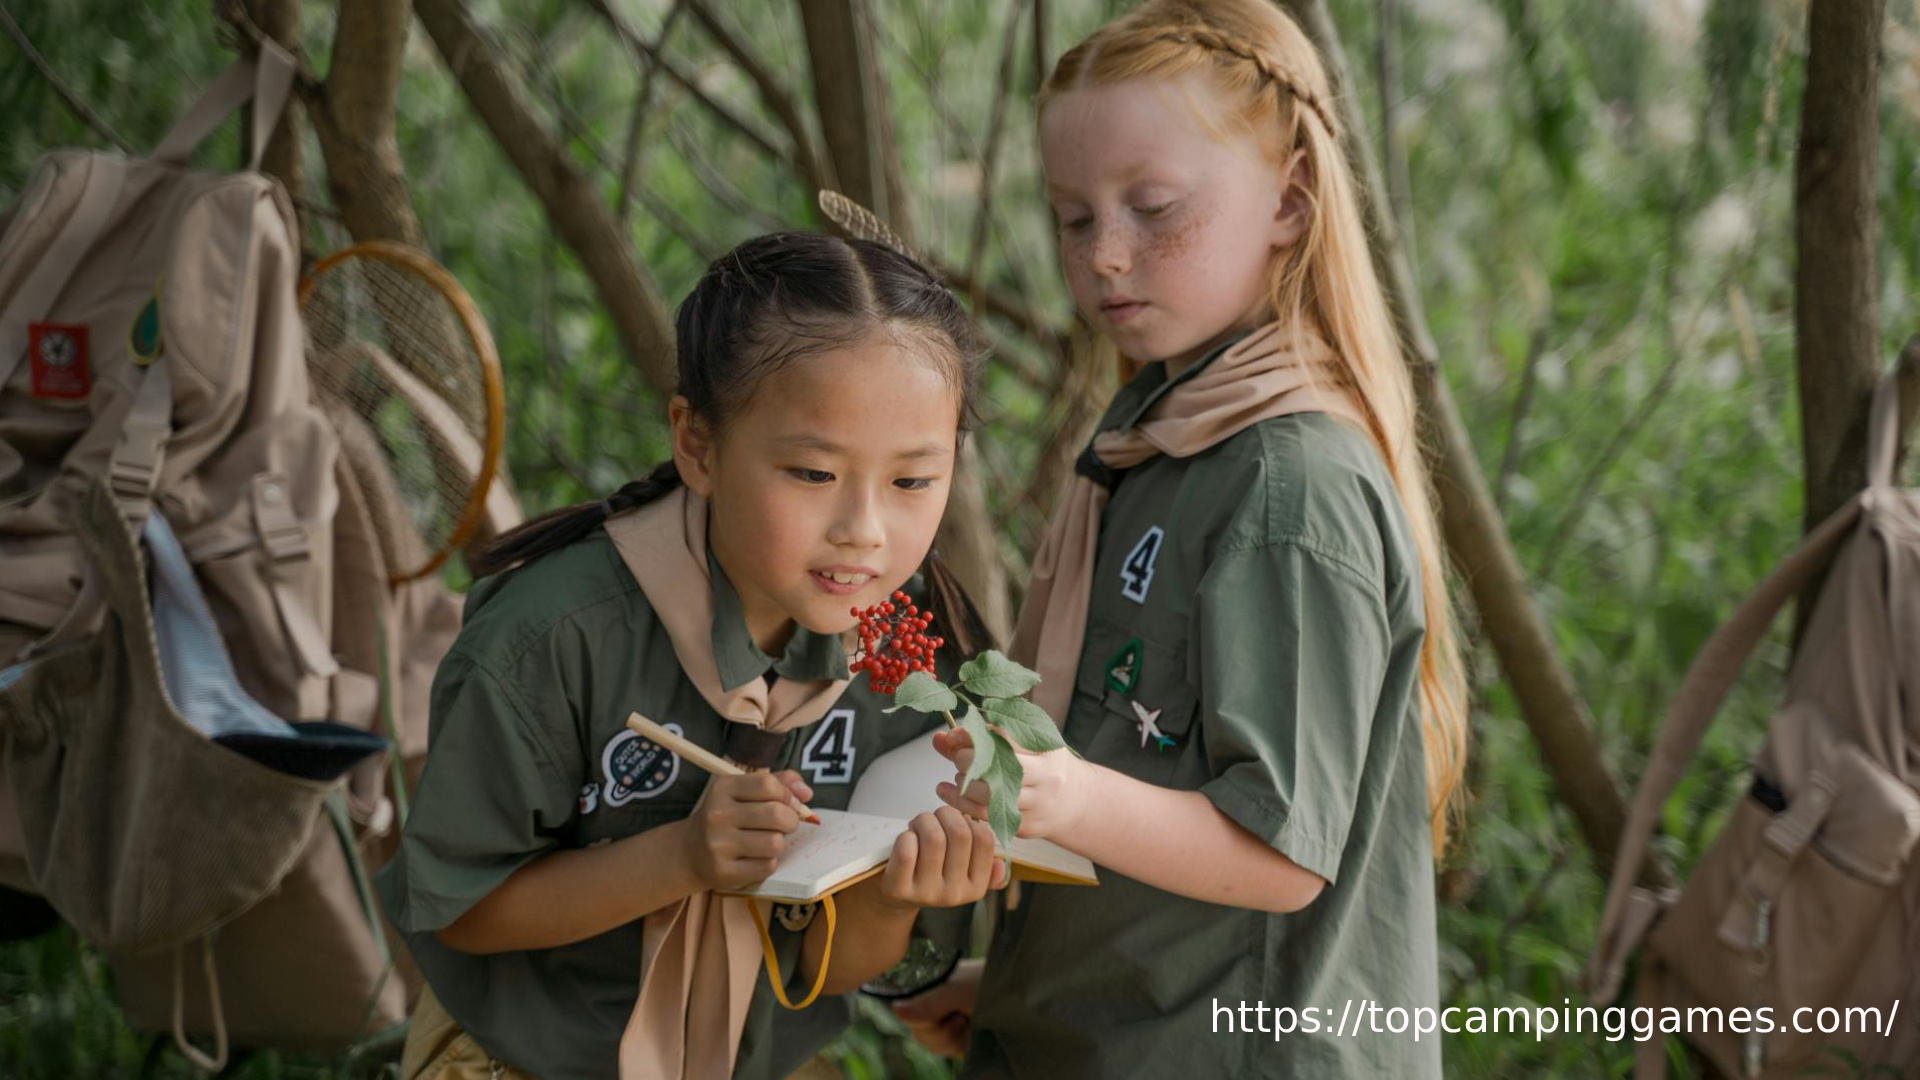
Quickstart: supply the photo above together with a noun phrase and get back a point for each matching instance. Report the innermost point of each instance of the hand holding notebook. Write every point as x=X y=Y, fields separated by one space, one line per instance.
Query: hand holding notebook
x=853 y=844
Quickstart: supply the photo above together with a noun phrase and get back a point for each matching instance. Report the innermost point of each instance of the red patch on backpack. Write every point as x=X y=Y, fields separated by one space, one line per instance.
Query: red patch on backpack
x=58 y=352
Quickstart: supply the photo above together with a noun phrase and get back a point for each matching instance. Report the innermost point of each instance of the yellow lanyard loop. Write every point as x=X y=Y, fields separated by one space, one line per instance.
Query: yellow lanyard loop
x=773 y=962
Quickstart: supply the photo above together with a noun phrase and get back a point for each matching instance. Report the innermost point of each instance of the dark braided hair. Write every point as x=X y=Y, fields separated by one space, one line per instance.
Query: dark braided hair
x=775 y=300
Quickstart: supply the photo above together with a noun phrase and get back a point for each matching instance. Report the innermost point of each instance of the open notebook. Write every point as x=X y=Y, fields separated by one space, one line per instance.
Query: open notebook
x=855 y=843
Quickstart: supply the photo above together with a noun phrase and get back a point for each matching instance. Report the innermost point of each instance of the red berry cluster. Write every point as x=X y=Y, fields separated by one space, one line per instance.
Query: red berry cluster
x=893 y=643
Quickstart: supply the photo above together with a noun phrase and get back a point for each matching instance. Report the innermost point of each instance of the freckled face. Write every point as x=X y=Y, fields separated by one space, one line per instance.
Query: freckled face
x=827 y=487
x=1167 y=233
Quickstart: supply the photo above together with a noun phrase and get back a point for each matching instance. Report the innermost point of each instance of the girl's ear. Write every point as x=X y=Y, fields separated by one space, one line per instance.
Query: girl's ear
x=692 y=448
x=1290 y=220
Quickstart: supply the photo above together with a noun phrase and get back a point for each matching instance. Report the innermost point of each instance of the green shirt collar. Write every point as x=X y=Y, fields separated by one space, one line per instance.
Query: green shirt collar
x=1150 y=384
x=809 y=657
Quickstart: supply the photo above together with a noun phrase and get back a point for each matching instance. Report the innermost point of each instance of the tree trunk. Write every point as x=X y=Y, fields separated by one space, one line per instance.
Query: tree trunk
x=354 y=120
x=851 y=98
x=853 y=117
x=1476 y=536
x=1836 y=327
x=579 y=215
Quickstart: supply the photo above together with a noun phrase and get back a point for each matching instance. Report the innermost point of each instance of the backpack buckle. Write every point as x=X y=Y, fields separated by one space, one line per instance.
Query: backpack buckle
x=280 y=531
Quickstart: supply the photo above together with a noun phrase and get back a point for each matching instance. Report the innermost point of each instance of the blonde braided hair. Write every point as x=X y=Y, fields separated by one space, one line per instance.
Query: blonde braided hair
x=1215 y=41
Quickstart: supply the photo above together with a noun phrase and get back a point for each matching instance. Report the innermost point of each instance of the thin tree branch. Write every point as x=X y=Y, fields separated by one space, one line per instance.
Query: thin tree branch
x=80 y=109
x=576 y=210
x=996 y=128
x=1393 y=154
x=719 y=186
x=1041 y=61
x=636 y=123
x=1018 y=307
x=1522 y=402
x=648 y=53
x=773 y=95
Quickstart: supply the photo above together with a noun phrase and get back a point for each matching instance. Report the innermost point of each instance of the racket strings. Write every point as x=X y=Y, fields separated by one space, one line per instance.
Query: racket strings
x=393 y=364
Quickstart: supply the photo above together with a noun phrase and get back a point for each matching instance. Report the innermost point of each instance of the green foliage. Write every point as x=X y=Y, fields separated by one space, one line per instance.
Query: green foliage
x=988 y=685
x=922 y=692
x=992 y=675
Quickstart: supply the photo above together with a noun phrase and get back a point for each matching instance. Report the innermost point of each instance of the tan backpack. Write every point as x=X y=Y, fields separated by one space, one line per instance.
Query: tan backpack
x=1807 y=905
x=150 y=341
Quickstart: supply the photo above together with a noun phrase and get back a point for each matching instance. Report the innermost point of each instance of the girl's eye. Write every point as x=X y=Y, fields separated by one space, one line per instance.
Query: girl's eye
x=812 y=476
x=914 y=483
x=1152 y=211
x=1076 y=224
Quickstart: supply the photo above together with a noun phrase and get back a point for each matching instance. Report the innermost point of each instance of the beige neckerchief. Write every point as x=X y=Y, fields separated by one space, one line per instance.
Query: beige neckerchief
x=699 y=956
x=1265 y=374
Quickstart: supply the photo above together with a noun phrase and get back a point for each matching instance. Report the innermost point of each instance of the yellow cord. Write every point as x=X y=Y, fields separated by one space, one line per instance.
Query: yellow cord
x=773 y=962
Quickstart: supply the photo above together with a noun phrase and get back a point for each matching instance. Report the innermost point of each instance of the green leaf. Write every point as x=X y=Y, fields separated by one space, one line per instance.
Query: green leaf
x=991 y=675
x=1003 y=790
x=1026 y=724
x=922 y=692
x=984 y=750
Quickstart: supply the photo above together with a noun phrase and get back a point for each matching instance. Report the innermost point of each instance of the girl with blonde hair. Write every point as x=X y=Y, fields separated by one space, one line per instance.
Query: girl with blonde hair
x=1240 y=609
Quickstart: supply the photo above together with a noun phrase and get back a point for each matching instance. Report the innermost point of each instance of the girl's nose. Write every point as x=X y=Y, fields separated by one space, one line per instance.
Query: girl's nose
x=1112 y=252
x=857 y=523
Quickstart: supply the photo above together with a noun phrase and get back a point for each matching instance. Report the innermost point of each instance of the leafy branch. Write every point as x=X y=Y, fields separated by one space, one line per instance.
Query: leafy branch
x=997 y=717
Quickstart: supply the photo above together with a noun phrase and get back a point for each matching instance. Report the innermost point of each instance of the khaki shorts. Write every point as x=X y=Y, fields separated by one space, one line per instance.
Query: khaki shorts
x=440 y=1049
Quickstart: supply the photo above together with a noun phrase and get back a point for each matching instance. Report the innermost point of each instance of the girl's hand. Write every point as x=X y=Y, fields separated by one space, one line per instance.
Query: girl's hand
x=1056 y=787
x=942 y=1018
x=942 y=860
x=740 y=827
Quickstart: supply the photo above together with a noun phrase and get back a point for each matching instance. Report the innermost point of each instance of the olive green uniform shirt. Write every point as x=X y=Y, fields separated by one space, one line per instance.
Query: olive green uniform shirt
x=530 y=753
x=1260 y=602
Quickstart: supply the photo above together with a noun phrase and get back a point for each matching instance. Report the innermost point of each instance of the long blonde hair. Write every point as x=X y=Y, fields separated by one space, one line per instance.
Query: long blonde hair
x=1272 y=85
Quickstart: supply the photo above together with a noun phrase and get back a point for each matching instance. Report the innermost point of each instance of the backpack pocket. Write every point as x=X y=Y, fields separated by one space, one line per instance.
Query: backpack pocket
x=1787 y=908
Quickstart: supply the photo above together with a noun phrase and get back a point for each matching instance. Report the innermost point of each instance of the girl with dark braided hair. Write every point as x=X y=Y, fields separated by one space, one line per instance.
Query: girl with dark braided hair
x=558 y=877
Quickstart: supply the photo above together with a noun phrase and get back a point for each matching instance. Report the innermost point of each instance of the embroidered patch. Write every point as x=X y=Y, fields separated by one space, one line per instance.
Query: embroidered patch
x=795 y=917
x=636 y=767
x=58 y=352
x=1123 y=669
x=589 y=799
x=828 y=757
x=143 y=337
x=1136 y=573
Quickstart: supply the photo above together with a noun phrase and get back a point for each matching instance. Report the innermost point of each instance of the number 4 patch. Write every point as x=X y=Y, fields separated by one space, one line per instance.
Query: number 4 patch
x=1136 y=574
x=828 y=756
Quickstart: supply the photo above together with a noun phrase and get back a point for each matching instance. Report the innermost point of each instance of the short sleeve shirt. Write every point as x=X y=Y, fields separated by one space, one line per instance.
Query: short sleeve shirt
x=530 y=753
x=1253 y=634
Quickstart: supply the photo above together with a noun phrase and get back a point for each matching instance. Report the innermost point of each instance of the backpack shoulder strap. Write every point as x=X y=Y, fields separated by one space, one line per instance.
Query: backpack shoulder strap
x=265 y=78
x=1629 y=911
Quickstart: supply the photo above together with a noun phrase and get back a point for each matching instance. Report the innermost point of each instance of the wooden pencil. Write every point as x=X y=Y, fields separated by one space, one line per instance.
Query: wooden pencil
x=700 y=756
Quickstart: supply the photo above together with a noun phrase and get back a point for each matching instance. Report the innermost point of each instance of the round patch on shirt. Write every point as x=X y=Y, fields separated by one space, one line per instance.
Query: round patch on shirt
x=636 y=767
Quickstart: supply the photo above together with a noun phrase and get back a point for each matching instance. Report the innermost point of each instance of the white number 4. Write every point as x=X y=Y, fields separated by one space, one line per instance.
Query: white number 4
x=829 y=753
x=1137 y=572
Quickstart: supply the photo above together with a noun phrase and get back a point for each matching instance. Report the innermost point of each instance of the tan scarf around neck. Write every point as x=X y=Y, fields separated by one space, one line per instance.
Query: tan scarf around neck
x=1268 y=373
x=699 y=956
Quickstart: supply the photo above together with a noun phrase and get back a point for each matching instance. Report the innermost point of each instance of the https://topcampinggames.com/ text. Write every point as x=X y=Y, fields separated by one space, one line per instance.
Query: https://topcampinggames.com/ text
x=1366 y=1017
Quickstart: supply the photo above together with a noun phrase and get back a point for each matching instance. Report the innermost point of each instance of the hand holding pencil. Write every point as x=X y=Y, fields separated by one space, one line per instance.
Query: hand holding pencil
x=739 y=830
